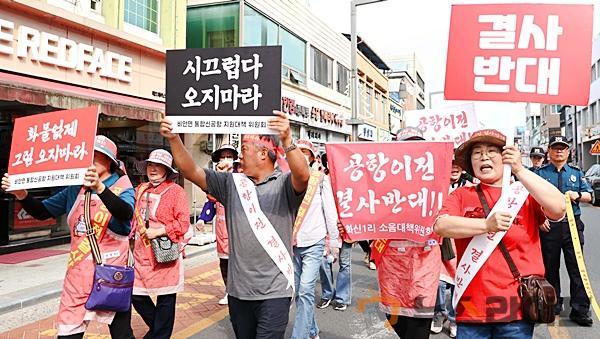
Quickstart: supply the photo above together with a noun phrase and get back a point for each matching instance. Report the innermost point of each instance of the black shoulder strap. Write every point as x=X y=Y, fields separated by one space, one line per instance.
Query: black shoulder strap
x=511 y=264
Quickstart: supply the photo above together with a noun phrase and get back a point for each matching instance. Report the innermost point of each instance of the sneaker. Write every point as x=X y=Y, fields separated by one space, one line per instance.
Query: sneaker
x=366 y=259
x=558 y=308
x=340 y=307
x=437 y=324
x=453 y=329
x=323 y=303
x=581 y=319
x=372 y=266
x=224 y=301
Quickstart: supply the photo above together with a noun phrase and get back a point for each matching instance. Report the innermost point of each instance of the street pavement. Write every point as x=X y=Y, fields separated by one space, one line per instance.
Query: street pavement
x=199 y=315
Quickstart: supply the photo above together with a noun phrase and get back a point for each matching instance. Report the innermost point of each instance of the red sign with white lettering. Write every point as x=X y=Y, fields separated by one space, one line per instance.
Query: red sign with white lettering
x=52 y=149
x=520 y=52
x=390 y=190
x=23 y=220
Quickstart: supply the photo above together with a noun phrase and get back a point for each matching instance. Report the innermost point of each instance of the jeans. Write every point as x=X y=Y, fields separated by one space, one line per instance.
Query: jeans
x=441 y=307
x=259 y=319
x=159 y=318
x=342 y=292
x=521 y=329
x=306 y=270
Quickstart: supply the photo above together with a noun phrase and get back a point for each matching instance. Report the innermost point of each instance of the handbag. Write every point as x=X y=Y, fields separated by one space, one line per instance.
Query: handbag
x=113 y=285
x=538 y=297
x=164 y=250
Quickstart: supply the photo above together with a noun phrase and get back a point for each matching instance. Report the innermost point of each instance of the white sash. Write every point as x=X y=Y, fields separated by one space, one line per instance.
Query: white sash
x=263 y=229
x=482 y=246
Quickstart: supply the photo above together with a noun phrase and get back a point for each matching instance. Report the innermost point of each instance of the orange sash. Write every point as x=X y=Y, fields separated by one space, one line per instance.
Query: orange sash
x=311 y=189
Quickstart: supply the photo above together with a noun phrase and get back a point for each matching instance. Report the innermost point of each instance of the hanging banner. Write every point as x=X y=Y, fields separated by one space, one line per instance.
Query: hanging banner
x=215 y=90
x=454 y=124
x=520 y=52
x=389 y=190
x=52 y=149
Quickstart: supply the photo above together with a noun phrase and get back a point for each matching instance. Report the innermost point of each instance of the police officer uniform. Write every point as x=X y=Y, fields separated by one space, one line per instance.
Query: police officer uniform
x=569 y=178
x=536 y=152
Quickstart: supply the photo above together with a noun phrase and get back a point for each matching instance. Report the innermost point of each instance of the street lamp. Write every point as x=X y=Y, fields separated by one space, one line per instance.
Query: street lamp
x=354 y=93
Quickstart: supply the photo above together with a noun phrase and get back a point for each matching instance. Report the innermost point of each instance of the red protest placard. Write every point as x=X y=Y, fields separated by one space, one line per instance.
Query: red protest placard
x=520 y=52
x=389 y=190
x=52 y=149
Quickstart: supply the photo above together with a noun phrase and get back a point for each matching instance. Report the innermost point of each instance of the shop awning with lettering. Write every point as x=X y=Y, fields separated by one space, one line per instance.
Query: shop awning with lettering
x=40 y=92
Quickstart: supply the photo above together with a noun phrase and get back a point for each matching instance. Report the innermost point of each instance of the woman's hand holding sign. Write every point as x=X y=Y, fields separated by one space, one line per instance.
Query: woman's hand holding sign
x=19 y=194
x=92 y=180
x=166 y=128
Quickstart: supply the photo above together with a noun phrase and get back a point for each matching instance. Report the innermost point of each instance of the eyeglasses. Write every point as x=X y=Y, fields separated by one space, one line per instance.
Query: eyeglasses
x=491 y=153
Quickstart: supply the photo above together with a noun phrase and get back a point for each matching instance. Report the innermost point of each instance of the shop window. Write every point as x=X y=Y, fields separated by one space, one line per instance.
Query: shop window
x=213 y=26
x=142 y=13
x=321 y=68
x=135 y=140
x=343 y=80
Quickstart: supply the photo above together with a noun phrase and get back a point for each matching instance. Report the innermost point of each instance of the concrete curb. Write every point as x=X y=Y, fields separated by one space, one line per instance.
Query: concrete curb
x=37 y=294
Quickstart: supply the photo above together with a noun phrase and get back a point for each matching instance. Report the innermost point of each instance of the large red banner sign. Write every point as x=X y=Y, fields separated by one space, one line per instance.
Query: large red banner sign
x=52 y=149
x=520 y=52
x=389 y=190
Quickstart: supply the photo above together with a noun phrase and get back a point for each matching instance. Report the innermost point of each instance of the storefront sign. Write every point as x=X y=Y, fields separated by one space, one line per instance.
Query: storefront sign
x=316 y=135
x=389 y=190
x=520 y=52
x=455 y=124
x=51 y=49
x=383 y=135
x=215 y=90
x=52 y=149
x=367 y=132
x=594 y=131
x=23 y=220
x=314 y=113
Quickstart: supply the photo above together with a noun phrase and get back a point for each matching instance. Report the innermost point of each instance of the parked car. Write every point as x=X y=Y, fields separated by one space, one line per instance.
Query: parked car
x=592 y=176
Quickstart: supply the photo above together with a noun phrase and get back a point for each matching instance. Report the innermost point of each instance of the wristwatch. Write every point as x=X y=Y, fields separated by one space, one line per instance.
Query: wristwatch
x=290 y=148
x=579 y=197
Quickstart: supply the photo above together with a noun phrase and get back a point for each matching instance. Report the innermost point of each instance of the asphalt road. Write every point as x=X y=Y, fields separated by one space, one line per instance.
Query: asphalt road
x=364 y=320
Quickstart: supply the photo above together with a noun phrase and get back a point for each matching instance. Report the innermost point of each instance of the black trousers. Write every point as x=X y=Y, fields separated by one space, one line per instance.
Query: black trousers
x=223 y=263
x=410 y=328
x=120 y=328
x=259 y=319
x=559 y=238
x=159 y=318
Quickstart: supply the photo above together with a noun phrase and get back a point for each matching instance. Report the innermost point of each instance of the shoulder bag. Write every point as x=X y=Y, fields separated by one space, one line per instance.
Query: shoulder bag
x=538 y=297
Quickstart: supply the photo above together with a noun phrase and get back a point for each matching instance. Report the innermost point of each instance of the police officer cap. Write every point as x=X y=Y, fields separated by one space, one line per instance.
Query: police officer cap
x=537 y=152
x=558 y=140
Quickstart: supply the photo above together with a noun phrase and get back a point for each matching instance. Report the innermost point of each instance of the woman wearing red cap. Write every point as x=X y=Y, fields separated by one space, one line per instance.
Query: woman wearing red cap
x=112 y=204
x=160 y=211
x=486 y=296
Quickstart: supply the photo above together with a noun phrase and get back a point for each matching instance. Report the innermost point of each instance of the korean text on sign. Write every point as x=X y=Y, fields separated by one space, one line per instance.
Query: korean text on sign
x=52 y=149
x=394 y=192
x=455 y=124
x=215 y=83
x=520 y=53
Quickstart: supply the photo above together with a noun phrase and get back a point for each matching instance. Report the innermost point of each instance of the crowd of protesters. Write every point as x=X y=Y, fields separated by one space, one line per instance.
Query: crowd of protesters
x=253 y=200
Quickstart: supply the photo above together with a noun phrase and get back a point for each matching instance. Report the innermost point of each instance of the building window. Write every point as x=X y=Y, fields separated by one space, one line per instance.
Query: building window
x=293 y=55
x=343 y=79
x=594 y=113
x=143 y=14
x=321 y=68
x=258 y=30
x=95 y=6
x=213 y=26
x=420 y=81
x=594 y=76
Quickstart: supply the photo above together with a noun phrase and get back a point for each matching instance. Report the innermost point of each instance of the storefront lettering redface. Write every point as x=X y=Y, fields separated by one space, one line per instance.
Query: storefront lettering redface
x=54 y=50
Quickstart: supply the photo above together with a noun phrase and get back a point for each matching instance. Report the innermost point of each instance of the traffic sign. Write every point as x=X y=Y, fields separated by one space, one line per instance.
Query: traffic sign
x=595 y=150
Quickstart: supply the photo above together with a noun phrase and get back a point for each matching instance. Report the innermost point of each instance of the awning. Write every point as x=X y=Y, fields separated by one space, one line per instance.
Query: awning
x=34 y=91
